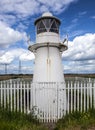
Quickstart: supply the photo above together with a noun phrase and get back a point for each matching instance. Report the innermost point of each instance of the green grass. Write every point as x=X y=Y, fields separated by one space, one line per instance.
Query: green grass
x=77 y=121
x=17 y=121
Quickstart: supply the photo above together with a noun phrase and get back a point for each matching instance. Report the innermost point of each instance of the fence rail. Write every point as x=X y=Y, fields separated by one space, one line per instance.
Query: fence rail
x=54 y=99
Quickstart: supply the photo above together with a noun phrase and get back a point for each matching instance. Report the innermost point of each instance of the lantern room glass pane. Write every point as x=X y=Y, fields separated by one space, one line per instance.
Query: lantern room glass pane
x=40 y=27
x=47 y=23
x=54 y=27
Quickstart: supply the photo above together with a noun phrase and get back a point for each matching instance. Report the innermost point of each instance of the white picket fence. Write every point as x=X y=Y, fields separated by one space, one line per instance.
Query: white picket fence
x=80 y=95
x=15 y=95
x=24 y=96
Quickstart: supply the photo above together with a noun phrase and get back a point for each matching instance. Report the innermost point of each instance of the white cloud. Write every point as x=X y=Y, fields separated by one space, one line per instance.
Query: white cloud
x=76 y=33
x=25 y=8
x=28 y=69
x=11 y=68
x=87 y=66
x=80 y=55
x=56 y=6
x=93 y=17
x=82 y=13
x=9 y=19
x=27 y=56
x=17 y=6
x=6 y=58
x=75 y=20
x=22 y=54
x=9 y=36
x=81 y=48
x=17 y=12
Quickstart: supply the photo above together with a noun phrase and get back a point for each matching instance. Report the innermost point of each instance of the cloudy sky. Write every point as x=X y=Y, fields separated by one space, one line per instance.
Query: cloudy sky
x=17 y=24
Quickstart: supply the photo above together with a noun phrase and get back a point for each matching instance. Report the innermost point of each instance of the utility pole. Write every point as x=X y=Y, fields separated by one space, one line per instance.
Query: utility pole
x=19 y=69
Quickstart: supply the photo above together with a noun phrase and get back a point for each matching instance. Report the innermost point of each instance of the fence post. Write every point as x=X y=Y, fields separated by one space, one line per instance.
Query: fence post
x=71 y=96
x=75 y=96
x=68 y=92
x=88 y=95
x=4 y=94
x=91 y=89
x=21 y=95
x=11 y=99
x=85 y=96
x=81 y=87
x=14 y=94
x=17 y=96
x=94 y=93
x=24 y=94
x=1 y=93
x=30 y=96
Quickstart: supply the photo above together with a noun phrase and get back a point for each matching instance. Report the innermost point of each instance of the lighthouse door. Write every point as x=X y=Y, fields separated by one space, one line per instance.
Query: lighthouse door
x=49 y=101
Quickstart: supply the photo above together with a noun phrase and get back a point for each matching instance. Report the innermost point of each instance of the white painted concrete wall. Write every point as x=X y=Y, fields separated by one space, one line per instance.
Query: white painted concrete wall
x=47 y=37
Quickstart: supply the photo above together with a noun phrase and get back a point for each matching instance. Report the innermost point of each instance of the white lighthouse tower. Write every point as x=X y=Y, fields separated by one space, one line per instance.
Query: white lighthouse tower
x=48 y=63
